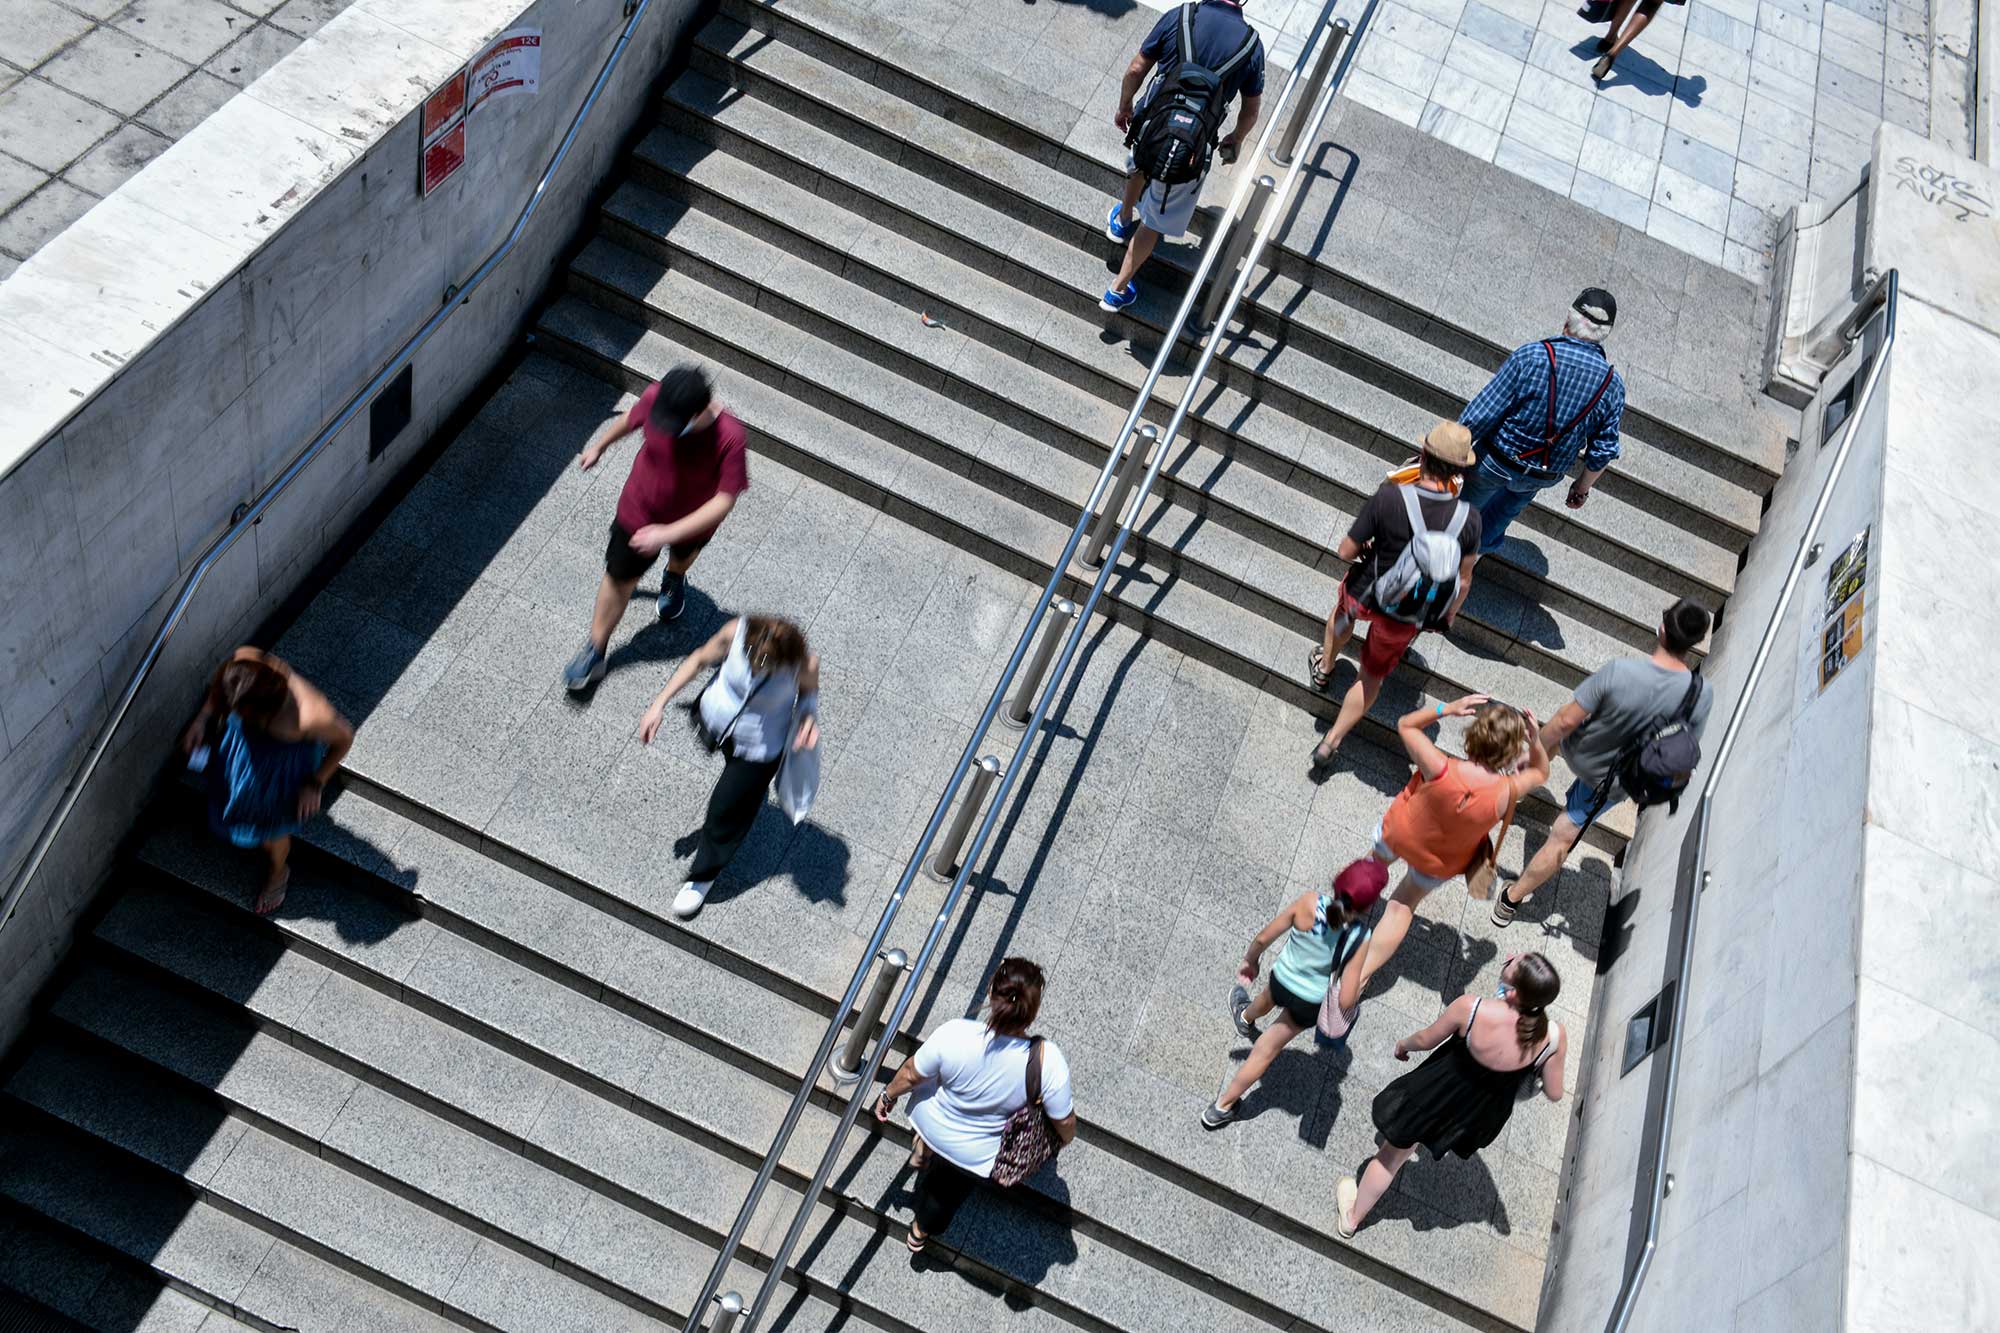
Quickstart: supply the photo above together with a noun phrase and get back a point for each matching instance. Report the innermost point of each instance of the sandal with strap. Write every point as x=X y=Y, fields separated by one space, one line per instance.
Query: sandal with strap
x=916 y=1240
x=1316 y=675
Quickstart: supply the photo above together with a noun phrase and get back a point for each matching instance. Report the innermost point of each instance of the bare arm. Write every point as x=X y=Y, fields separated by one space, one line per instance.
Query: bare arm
x=1065 y=1129
x=1579 y=490
x=1246 y=120
x=1348 y=550
x=1455 y=1016
x=1352 y=980
x=1414 y=728
x=1536 y=771
x=1552 y=1067
x=319 y=720
x=708 y=655
x=1135 y=74
x=1270 y=934
x=806 y=734
x=1465 y=568
x=1558 y=728
x=657 y=537
x=906 y=1078
x=613 y=430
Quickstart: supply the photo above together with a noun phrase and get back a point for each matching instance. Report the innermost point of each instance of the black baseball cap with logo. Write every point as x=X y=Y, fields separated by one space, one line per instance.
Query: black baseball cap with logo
x=1597 y=304
x=684 y=395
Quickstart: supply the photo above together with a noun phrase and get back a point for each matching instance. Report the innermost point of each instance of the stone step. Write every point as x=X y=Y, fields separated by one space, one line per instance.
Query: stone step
x=146 y=1219
x=1750 y=436
x=723 y=1133
x=1043 y=433
x=743 y=1098
x=1211 y=625
x=53 y=1278
x=1061 y=281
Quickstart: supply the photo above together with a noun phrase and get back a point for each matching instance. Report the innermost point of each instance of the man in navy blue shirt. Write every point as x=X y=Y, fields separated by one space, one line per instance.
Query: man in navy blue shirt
x=1554 y=400
x=1150 y=210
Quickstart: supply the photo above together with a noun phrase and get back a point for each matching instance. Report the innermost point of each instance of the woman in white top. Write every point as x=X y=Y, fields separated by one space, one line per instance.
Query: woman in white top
x=969 y=1077
x=765 y=694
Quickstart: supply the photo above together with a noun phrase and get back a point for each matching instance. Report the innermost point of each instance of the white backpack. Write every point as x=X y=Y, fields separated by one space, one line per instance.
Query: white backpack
x=1419 y=587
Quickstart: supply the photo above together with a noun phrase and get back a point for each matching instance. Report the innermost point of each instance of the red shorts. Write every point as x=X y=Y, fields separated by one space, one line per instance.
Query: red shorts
x=1387 y=639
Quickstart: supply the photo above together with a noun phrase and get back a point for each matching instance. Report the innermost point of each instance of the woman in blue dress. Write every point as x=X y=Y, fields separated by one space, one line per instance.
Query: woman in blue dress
x=268 y=743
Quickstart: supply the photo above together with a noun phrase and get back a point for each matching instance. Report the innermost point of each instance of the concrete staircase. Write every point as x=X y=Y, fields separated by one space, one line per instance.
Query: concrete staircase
x=454 y=1083
x=786 y=224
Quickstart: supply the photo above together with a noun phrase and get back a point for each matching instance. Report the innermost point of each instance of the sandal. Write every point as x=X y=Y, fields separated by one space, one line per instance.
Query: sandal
x=1602 y=69
x=1504 y=909
x=1344 y=1195
x=916 y=1240
x=1323 y=759
x=273 y=896
x=920 y=1153
x=1316 y=675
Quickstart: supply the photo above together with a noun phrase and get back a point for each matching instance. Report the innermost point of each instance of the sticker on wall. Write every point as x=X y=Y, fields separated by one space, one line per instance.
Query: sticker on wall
x=443 y=141
x=511 y=63
x=1842 y=634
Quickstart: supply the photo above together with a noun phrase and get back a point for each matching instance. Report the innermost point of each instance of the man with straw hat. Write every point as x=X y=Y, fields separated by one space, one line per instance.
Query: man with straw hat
x=1410 y=555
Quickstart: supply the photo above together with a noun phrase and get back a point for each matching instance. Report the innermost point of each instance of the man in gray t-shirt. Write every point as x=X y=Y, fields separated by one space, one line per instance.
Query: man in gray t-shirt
x=1620 y=702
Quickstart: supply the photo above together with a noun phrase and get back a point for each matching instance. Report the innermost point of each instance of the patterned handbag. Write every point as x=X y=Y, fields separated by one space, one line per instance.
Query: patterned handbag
x=1026 y=1141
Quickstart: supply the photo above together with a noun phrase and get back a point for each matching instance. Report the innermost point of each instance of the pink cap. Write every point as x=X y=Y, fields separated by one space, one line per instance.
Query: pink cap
x=1362 y=882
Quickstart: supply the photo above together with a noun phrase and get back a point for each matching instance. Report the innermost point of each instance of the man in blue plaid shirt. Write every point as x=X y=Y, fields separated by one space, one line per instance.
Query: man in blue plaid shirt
x=1530 y=438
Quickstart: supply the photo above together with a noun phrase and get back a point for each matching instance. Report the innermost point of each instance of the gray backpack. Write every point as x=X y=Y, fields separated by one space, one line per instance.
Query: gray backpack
x=1419 y=587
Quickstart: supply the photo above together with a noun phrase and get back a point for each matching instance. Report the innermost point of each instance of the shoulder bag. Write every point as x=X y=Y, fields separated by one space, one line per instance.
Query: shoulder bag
x=1027 y=1141
x=1484 y=867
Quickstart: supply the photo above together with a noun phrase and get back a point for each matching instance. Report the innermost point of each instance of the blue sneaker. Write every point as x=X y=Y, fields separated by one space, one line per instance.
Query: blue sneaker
x=585 y=669
x=673 y=595
x=1116 y=230
x=1115 y=300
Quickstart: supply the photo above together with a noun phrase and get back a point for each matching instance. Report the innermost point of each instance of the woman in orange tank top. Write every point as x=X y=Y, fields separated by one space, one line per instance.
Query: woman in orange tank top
x=1438 y=821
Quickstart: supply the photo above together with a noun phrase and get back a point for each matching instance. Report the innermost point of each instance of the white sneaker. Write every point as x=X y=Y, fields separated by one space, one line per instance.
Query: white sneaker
x=692 y=895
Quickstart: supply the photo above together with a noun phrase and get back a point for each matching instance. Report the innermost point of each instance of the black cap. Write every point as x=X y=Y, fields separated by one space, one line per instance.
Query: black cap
x=684 y=394
x=1598 y=304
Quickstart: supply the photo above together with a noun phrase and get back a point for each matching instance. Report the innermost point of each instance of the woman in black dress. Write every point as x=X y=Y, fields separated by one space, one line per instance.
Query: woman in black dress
x=1459 y=1099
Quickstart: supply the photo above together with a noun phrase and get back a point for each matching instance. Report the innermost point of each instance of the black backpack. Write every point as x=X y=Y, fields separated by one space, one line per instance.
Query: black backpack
x=1171 y=140
x=1657 y=765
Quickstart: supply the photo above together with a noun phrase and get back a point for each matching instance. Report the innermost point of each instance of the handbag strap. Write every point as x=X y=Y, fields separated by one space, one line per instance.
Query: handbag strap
x=1034 y=1071
x=1507 y=821
x=722 y=738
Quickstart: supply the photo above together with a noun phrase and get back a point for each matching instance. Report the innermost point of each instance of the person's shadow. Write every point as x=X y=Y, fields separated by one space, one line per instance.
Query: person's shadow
x=1644 y=73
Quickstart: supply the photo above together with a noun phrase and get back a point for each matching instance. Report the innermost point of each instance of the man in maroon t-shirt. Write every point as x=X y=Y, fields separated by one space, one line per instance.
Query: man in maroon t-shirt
x=690 y=469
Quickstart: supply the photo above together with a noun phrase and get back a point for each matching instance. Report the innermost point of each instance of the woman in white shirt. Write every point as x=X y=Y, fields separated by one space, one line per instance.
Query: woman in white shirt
x=969 y=1077
x=765 y=693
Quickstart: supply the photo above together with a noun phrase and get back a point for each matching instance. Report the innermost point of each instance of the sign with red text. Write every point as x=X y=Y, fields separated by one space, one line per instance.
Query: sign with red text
x=442 y=145
x=511 y=63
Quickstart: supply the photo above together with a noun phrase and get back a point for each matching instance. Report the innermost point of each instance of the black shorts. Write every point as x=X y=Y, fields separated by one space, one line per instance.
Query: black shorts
x=626 y=565
x=1303 y=1012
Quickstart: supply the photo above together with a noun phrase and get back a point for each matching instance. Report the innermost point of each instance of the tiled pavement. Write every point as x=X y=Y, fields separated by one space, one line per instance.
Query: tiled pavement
x=1721 y=115
x=92 y=90
x=1165 y=816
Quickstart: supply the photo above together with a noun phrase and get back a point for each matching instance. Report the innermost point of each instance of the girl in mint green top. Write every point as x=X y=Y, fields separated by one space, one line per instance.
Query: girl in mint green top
x=1324 y=934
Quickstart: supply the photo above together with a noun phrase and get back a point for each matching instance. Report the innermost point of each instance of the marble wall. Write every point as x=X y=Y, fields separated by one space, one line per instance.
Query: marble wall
x=164 y=358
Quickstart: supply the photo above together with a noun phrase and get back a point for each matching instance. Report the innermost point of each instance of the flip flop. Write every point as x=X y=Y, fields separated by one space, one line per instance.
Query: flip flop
x=273 y=896
x=1316 y=676
x=914 y=1241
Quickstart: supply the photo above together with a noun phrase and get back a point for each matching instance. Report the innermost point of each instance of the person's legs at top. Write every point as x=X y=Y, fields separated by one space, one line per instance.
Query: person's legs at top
x=1384 y=647
x=1119 y=225
x=1123 y=291
x=732 y=809
x=941 y=1189
x=1625 y=28
x=1357 y=1198
x=623 y=568
x=277 y=874
x=1397 y=912
x=1549 y=858
x=1162 y=210
x=1339 y=629
x=1274 y=1039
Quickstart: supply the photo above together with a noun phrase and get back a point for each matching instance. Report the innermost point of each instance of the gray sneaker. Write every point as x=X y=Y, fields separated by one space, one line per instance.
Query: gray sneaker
x=585 y=669
x=1239 y=1000
x=1215 y=1117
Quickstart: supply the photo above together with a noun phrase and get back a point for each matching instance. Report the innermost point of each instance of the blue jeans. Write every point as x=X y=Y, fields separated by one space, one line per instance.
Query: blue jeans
x=1499 y=494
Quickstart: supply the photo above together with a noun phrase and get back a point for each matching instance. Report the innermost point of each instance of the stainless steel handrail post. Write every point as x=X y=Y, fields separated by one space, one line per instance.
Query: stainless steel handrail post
x=1239 y=239
x=1880 y=296
x=944 y=861
x=257 y=508
x=1100 y=531
x=728 y=1307
x=847 y=1061
x=803 y=1094
x=1289 y=145
x=907 y=994
x=1015 y=716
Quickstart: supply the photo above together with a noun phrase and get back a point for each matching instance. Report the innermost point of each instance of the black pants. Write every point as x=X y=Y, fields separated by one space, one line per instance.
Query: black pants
x=732 y=809
x=941 y=1189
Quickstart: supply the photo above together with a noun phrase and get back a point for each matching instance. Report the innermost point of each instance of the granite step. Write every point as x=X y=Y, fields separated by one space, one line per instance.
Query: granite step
x=734 y=1117
x=53 y=1278
x=1214 y=626
x=1061 y=278
x=1275 y=481
x=875 y=48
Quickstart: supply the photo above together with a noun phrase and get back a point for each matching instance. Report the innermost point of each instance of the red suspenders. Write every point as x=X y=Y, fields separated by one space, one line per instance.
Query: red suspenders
x=1553 y=435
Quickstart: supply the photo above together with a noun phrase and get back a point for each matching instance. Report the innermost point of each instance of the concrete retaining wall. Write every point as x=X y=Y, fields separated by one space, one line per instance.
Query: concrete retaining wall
x=164 y=358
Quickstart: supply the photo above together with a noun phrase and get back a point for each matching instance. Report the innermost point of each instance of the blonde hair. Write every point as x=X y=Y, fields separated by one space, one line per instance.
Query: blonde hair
x=1496 y=738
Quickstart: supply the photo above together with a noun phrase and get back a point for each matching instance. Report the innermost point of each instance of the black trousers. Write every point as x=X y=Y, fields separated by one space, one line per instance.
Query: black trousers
x=941 y=1189
x=732 y=809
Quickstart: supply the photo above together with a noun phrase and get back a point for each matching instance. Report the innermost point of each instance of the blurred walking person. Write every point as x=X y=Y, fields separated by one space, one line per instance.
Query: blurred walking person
x=267 y=743
x=1482 y=1051
x=1438 y=824
x=1410 y=555
x=1626 y=25
x=1325 y=936
x=761 y=712
x=985 y=1094
x=691 y=466
x=1552 y=401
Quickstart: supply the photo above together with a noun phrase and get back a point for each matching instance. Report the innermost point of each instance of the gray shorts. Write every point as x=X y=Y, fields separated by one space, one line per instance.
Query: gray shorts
x=1167 y=209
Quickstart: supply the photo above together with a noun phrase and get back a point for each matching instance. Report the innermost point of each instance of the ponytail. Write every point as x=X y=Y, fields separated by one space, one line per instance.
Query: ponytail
x=1014 y=997
x=1536 y=986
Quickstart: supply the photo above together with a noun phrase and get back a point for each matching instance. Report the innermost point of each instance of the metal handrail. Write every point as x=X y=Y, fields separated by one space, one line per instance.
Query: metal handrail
x=248 y=515
x=1880 y=296
x=913 y=977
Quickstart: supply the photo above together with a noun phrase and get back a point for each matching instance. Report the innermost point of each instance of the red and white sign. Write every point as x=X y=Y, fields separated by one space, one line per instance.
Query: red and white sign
x=511 y=63
x=443 y=143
